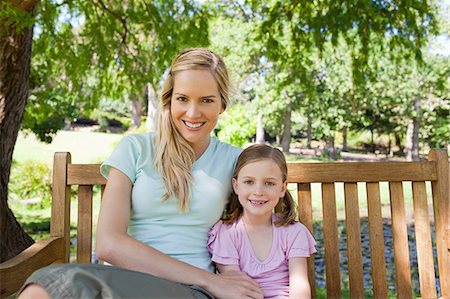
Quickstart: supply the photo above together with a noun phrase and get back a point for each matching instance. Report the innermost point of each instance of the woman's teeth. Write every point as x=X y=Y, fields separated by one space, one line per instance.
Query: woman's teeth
x=193 y=125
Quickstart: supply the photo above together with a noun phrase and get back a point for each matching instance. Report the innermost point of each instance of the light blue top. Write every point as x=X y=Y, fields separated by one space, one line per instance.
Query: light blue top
x=182 y=235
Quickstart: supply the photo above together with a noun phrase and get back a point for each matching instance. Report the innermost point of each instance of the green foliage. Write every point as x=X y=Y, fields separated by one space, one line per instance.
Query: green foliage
x=18 y=18
x=237 y=126
x=46 y=113
x=31 y=180
x=84 y=51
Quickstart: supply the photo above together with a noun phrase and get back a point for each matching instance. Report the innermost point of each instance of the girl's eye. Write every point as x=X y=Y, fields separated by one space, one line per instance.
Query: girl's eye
x=208 y=101
x=182 y=99
x=248 y=182
x=270 y=184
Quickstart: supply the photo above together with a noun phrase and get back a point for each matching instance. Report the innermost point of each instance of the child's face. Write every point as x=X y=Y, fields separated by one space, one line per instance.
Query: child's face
x=259 y=187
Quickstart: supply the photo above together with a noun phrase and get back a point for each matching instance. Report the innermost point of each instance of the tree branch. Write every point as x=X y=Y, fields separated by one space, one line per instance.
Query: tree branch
x=122 y=20
x=23 y=5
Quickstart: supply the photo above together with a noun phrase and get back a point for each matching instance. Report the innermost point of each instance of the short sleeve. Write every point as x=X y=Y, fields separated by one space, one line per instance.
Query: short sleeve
x=300 y=241
x=222 y=244
x=124 y=158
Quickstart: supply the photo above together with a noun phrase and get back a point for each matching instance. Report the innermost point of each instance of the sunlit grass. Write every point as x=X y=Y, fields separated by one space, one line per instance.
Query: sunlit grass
x=85 y=147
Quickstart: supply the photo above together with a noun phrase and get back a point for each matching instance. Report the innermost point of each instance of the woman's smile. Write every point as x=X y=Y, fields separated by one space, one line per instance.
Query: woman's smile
x=195 y=107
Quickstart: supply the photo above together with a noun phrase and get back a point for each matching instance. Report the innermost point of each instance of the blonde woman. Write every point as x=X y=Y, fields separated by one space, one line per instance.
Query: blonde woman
x=165 y=190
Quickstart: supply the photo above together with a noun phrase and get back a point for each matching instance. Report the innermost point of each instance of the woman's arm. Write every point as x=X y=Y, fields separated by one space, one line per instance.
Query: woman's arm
x=298 y=278
x=115 y=246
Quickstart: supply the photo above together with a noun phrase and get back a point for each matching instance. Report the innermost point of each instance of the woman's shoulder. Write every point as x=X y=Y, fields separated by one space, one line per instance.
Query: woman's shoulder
x=140 y=137
x=224 y=147
x=139 y=140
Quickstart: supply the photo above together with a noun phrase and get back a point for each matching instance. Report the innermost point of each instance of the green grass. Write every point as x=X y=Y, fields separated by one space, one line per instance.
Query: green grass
x=85 y=147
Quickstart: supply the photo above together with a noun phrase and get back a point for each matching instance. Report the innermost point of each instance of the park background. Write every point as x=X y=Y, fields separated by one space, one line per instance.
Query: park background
x=322 y=80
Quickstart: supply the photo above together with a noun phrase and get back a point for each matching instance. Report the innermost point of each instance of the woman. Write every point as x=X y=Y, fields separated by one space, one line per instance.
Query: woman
x=164 y=192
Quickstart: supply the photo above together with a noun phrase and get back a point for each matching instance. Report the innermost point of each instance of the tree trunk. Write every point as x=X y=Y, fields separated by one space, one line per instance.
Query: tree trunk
x=151 y=108
x=309 y=132
x=136 y=111
x=344 y=139
x=412 y=133
x=286 y=137
x=330 y=148
x=260 y=138
x=15 y=55
x=372 y=141
x=416 y=129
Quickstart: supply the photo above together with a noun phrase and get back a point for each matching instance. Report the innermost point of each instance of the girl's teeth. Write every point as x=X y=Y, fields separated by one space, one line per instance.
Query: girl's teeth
x=257 y=202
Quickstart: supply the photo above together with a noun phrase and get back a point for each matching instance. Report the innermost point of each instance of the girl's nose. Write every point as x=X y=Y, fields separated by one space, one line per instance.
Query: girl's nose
x=259 y=190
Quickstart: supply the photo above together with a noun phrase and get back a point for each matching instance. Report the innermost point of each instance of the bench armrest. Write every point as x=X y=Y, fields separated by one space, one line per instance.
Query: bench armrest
x=16 y=270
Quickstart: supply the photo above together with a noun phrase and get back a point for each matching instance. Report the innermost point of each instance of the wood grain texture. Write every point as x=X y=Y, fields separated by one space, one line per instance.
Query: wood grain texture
x=441 y=207
x=354 y=246
x=15 y=271
x=85 y=174
x=423 y=241
x=361 y=172
x=60 y=219
x=400 y=239
x=305 y=217
x=378 y=261
x=84 y=232
x=330 y=237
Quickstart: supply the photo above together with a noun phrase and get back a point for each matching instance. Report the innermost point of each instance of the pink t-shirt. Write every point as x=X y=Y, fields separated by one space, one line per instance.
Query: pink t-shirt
x=230 y=245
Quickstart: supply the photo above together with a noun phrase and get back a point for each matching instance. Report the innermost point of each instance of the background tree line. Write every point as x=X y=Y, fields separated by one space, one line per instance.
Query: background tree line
x=317 y=67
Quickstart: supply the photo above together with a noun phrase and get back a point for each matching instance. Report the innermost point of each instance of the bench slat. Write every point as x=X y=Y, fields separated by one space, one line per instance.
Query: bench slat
x=330 y=240
x=400 y=239
x=84 y=174
x=441 y=207
x=361 y=172
x=376 y=237
x=352 y=220
x=84 y=232
x=305 y=217
x=423 y=241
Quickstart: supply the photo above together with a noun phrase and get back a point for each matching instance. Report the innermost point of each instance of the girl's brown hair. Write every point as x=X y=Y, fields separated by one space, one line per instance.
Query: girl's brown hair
x=174 y=157
x=285 y=209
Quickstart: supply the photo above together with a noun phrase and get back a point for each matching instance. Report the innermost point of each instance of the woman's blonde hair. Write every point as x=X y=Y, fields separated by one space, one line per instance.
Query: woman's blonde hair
x=174 y=157
x=285 y=208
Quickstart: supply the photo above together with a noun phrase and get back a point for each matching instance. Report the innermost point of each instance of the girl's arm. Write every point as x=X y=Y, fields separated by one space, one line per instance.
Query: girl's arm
x=298 y=278
x=115 y=246
x=227 y=268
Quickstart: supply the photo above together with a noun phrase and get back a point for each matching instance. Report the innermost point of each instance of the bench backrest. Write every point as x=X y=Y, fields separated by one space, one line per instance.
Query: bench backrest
x=303 y=175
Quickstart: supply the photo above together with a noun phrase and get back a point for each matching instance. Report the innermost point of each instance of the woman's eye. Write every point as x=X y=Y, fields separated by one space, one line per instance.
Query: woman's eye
x=270 y=184
x=248 y=182
x=181 y=99
x=208 y=101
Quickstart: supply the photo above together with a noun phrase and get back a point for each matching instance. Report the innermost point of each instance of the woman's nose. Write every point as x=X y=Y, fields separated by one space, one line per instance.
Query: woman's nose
x=193 y=110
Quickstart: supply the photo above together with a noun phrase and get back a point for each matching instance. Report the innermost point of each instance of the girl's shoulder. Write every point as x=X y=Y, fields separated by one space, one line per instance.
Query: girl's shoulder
x=220 y=226
x=293 y=228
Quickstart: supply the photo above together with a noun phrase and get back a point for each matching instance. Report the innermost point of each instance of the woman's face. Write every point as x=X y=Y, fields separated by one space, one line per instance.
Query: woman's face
x=195 y=107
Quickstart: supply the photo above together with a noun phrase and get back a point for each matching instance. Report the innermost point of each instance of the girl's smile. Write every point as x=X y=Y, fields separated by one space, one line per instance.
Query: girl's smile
x=259 y=186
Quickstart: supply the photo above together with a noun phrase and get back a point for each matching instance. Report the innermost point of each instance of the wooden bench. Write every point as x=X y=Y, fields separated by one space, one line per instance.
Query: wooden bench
x=56 y=249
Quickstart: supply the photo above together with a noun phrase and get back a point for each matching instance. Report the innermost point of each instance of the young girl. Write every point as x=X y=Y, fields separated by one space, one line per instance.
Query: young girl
x=270 y=247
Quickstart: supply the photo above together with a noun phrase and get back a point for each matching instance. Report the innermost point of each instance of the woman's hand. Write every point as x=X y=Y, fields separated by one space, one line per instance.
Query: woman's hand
x=234 y=284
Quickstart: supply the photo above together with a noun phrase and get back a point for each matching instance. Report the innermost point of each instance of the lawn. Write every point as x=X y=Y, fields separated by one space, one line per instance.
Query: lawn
x=85 y=147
